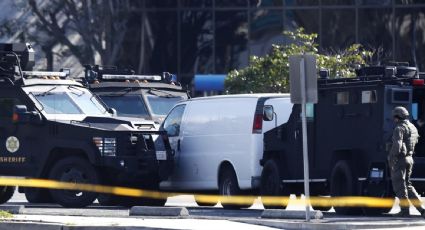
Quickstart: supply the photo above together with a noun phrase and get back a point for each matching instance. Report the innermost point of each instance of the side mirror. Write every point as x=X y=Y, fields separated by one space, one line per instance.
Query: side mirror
x=268 y=113
x=112 y=111
x=22 y=116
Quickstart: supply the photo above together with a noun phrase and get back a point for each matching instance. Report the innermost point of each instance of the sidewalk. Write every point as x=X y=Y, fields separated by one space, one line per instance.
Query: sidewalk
x=50 y=222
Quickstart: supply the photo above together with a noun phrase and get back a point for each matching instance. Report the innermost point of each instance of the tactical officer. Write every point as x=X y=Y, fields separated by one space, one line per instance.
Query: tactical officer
x=405 y=136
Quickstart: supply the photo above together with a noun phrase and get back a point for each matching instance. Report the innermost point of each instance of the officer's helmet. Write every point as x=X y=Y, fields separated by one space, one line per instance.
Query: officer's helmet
x=400 y=112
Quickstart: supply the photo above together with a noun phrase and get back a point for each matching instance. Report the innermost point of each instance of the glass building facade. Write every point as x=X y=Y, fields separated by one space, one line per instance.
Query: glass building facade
x=190 y=37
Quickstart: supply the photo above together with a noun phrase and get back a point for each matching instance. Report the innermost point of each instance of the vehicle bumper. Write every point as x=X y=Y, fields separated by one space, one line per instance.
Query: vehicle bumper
x=133 y=169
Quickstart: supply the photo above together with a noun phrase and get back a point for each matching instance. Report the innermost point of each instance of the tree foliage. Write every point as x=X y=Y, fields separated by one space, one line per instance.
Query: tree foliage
x=270 y=73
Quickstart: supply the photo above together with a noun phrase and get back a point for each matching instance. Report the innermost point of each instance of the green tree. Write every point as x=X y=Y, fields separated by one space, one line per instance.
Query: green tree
x=270 y=73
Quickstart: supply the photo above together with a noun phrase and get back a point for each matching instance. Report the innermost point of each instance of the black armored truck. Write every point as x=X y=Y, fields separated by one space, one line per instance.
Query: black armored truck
x=52 y=127
x=149 y=97
x=349 y=136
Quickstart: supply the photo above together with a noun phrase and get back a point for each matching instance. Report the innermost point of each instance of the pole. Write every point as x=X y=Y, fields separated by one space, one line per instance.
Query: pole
x=305 y=146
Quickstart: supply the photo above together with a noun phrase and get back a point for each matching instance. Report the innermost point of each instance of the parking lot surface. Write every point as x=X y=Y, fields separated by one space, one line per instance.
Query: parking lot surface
x=51 y=216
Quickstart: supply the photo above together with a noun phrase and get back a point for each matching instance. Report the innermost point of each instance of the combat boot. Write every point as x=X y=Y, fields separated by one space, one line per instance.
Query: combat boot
x=404 y=212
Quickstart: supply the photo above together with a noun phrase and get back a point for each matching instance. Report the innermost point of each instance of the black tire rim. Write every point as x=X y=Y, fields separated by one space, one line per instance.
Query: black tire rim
x=227 y=189
x=74 y=175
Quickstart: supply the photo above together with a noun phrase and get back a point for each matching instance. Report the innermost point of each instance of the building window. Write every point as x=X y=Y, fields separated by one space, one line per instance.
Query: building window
x=196 y=43
x=266 y=28
x=231 y=38
x=375 y=31
x=338 y=29
x=409 y=36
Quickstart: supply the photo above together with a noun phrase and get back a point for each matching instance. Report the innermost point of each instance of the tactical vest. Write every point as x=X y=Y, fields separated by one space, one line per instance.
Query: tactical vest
x=410 y=138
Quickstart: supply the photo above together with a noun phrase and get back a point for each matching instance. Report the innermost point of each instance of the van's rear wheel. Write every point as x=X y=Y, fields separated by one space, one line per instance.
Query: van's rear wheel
x=6 y=192
x=38 y=195
x=228 y=186
x=322 y=207
x=271 y=185
x=344 y=184
x=74 y=170
x=210 y=203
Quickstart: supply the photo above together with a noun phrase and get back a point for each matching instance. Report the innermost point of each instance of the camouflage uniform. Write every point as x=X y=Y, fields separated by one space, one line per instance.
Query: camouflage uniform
x=405 y=137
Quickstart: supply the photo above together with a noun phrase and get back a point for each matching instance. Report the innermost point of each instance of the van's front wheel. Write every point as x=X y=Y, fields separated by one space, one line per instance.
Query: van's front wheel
x=228 y=186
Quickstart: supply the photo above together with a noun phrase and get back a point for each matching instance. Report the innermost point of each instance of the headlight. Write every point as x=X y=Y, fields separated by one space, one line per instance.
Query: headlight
x=107 y=146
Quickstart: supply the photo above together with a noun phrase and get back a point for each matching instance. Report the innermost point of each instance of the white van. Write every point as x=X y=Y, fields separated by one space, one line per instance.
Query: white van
x=218 y=141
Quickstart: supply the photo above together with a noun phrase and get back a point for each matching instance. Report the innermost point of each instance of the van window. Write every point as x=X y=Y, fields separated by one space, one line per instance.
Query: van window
x=173 y=121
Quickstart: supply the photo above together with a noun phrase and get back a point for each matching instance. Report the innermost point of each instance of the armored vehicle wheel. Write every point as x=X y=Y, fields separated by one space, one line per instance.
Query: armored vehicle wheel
x=108 y=199
x=74 y=170
x=6 y=192
x=379 y=190
x=228 y=186
x=323 y=208
x=206 y=204
x=139 y=201
x=38 y=195
x=152 y=185
x=375 y=211
x=343 y=184
x=112 y=200
x=271 y=185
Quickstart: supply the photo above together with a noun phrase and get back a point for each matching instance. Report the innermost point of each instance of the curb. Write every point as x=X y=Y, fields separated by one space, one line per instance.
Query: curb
x=13 y=209
x=40 y=226
x=285 y=214
x=33 y=226
x=158 y=211
x=327 y=226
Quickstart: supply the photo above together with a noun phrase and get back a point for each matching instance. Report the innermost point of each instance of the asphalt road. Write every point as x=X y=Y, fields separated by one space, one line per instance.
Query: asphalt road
x=250 y=217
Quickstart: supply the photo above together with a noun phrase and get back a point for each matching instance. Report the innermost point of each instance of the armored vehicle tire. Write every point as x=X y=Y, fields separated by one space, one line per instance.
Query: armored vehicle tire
x=228 y=186
x=380 y=191
x=204 y=203
x=343 y=184
x=6 y=192
x=137 y=201
x=108 y=199
x=38 y=195
x=323 y=208
x=112 y=200
x=74 y=170
x=271 y=185
x=375 y=211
